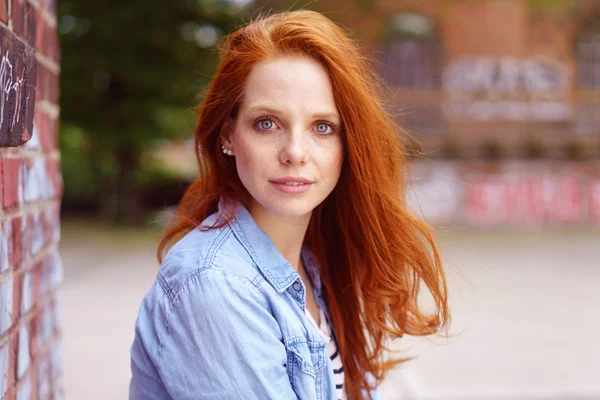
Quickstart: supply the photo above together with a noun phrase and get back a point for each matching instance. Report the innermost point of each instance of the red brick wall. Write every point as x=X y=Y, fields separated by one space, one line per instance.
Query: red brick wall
x=30 y=193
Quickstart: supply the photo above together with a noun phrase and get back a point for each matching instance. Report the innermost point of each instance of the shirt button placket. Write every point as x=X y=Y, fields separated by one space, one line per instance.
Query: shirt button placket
x=297 y=288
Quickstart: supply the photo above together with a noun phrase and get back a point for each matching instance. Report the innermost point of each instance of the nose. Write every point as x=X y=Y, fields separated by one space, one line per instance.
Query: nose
x=295 y=149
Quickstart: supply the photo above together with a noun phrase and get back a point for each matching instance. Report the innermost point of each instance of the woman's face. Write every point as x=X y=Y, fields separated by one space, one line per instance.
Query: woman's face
x=287 y=137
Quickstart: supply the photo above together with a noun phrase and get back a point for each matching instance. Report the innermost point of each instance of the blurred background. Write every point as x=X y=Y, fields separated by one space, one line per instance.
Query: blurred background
x=499 y=99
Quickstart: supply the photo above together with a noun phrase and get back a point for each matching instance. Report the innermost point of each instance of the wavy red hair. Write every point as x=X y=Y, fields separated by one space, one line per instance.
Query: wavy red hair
x=373 y=253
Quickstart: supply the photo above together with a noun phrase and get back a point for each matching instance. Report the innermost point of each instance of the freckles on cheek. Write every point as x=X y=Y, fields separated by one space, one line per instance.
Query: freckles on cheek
x=247 y=163
x=252 y=154
x=243 y=167
x=335 y=157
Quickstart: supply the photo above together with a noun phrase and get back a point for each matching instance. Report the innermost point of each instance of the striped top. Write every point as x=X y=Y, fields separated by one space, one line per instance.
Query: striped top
x=331 y=346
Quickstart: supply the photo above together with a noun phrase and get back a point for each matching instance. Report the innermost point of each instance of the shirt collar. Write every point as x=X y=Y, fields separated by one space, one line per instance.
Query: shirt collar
x=271 y=263
x=312 y=270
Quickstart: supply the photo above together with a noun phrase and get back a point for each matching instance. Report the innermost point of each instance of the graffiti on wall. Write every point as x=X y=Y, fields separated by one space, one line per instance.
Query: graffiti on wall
x=528 y=200
x=507 y=88
x=17 y=89
x=513 y=195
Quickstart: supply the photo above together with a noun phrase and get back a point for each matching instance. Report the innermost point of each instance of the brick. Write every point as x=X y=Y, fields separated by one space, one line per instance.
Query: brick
x=37 y=233
x=42 y=82
x=25 y=238
x=52 y=46
x=40 y=132
x=19 y=252
x=27 y=292
x=34 y=339
x=52 y=218
x=55 y=359
x=17 y=16
x=51 y=273
x=4 y=11
x=24 y=392
x=56 y=181
x=43 y=377
x=33 y=349
x=6 y=245
x=47 y=135
x=3 y=369
x=16 y=297
x=31 y=17
x=40 y=41
x=40 y=87
x=37 y=184
x=6 y=306
x=56 y=129
x=13 y=345
x=54 y=87
x=37 y=272
x=48 y=84
x=11 y=182
x=45 y=222
x=24 y=357
x=57 y=312
x=45 y=323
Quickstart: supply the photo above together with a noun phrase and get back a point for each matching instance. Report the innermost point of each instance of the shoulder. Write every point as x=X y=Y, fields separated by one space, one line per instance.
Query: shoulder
x=213 y=257
x=206 y=273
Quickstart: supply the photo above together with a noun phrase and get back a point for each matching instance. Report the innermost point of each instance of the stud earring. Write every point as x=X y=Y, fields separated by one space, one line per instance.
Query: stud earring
x=226 y=151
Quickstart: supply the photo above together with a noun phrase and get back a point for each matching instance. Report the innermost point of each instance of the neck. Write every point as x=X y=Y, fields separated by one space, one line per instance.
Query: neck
x=286 y=233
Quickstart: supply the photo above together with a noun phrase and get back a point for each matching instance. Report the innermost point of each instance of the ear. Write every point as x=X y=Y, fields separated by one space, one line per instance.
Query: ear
x=226 y=132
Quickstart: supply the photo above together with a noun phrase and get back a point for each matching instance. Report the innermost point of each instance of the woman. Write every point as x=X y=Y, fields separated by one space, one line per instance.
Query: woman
x=293 y=259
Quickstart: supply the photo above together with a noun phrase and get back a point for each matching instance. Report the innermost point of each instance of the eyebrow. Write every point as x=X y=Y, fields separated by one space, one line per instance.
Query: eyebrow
x=274 y=110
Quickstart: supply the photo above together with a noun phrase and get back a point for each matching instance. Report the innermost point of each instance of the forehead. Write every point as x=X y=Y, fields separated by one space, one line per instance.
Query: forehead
x=290 y=81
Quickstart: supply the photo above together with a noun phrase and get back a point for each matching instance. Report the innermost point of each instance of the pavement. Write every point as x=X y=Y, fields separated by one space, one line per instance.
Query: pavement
x=524 y=307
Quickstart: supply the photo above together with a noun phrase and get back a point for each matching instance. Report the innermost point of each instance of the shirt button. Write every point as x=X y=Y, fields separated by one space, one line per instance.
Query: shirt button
x=297 y=286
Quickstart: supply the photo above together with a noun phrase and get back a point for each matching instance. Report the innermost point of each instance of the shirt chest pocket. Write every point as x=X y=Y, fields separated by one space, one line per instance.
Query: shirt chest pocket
x=306 y=360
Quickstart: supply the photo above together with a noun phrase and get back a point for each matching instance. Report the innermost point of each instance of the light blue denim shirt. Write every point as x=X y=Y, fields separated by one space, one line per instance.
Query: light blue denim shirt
x=225 y=319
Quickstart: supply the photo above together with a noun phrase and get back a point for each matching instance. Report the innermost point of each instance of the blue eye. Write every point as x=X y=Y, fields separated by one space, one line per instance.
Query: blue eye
x=322 y=128
x=265 y=124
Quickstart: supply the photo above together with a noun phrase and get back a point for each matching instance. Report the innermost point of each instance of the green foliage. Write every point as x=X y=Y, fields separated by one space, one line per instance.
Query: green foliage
x=76 y=169
x=551 y=4
x=131 y=72
x=152 y=176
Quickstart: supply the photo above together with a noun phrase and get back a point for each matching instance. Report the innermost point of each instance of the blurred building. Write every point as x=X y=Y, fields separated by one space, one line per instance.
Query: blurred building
x=503 y=96
x=487 y=78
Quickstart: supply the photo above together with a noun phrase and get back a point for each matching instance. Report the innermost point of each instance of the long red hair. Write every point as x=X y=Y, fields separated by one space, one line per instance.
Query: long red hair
x=373 y=253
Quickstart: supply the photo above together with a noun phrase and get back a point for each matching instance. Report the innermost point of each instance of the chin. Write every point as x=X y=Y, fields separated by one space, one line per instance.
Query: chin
x=289 y=207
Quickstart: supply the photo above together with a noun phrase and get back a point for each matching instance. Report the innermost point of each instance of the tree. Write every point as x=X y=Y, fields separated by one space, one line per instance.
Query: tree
x=131 y=72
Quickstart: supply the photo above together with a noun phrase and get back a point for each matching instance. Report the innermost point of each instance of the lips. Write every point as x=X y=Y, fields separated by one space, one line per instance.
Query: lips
x=291 y=180
x=291 y=184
